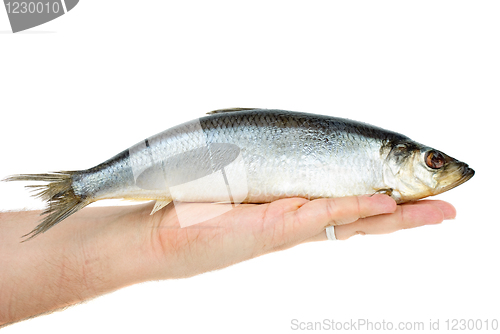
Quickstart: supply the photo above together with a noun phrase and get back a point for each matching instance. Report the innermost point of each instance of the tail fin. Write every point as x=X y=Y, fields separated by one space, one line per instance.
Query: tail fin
x=62 y=200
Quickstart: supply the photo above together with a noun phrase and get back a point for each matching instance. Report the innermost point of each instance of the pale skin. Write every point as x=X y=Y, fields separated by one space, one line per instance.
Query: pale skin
x=102 y=249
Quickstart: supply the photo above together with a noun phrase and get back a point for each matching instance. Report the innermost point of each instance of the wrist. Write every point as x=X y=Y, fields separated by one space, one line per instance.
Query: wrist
x=118 y=251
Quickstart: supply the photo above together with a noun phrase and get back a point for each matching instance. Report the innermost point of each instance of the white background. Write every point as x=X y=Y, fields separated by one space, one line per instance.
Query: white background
x=79 y=89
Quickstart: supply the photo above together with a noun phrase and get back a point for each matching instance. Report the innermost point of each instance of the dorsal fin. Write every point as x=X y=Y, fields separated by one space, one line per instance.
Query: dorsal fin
x=218 y=111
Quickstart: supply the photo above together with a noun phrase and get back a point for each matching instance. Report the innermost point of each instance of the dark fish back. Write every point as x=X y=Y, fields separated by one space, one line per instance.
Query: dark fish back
x=274 y=118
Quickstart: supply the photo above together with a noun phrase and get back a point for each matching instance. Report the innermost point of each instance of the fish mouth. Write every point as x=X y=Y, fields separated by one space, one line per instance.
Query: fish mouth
x=466 y=174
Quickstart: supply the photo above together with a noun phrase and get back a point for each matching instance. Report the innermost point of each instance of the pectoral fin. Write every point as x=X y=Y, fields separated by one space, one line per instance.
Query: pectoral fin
x=387 y=191
x=159 y=205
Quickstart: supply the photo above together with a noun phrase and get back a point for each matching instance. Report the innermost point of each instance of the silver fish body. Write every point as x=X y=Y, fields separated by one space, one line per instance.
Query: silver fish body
x=257 y=156
x=285 y=154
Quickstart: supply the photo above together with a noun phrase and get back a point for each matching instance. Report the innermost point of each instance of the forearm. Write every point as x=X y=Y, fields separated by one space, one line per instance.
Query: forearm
x=93 y=252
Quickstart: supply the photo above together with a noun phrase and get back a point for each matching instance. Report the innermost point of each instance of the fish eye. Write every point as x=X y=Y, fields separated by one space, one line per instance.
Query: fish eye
x=434 y=159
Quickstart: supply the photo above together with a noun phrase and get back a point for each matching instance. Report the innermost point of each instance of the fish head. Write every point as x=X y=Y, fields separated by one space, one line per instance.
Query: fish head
x=415 y=171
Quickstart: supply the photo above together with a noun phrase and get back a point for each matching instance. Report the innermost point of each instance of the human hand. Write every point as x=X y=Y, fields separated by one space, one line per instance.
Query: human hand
x=251 y=230
x=101 y=249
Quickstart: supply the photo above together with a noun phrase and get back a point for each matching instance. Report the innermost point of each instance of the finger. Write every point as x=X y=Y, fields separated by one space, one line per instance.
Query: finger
x=405 y=216
x=315 y=215
x=449 y=210
x=310 y=218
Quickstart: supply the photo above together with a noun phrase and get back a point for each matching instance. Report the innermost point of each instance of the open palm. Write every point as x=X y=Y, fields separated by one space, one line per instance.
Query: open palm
x=251 y=230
